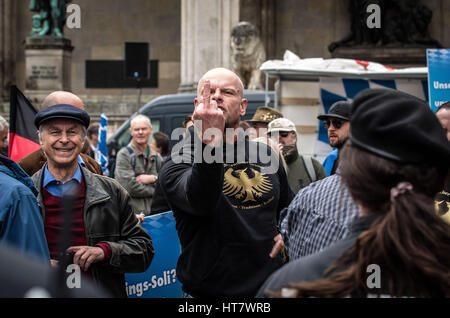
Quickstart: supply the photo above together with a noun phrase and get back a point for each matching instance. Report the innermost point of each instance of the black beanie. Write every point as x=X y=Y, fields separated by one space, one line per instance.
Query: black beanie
x=398 y=126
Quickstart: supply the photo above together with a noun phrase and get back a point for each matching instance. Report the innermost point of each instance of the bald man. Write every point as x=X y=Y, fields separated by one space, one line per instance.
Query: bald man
x=62 y=97
x=36 y=160
x=226 y=211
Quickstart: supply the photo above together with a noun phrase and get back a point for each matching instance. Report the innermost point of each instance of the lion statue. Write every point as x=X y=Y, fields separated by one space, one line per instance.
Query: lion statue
x=247 y=55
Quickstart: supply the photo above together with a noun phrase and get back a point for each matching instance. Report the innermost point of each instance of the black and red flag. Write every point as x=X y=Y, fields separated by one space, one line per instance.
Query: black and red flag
x=23 y=138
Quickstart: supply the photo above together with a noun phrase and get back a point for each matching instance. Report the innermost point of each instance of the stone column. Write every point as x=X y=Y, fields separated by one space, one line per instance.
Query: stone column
x=7 y=47
x=268 y=27
x=261 y=13
x=205 y=38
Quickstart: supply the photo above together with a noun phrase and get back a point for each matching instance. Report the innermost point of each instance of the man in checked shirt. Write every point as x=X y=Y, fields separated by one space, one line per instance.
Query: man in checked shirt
x=323 y=212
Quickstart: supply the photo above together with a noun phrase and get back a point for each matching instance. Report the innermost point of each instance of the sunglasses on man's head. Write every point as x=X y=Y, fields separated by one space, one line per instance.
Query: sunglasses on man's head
x=337 y=123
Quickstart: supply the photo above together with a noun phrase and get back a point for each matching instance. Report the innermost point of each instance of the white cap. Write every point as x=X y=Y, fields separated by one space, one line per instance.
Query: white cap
x=281 y=124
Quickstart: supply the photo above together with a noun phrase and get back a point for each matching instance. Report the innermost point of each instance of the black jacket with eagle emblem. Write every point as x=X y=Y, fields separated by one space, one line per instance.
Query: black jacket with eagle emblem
x=226 y=207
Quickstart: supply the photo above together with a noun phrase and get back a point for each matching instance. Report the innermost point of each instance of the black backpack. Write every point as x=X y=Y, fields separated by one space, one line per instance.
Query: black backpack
x=133 y=159
x=112 y=162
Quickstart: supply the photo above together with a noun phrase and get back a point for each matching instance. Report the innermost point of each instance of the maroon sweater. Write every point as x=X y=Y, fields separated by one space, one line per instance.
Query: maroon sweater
x=54 y=220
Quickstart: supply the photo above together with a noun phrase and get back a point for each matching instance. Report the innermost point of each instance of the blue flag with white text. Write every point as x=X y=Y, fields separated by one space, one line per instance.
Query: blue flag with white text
x=438 y=77
x=102 y=147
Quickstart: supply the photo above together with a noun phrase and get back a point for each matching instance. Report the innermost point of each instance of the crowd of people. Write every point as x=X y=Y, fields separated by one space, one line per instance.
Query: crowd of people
x=254 y=217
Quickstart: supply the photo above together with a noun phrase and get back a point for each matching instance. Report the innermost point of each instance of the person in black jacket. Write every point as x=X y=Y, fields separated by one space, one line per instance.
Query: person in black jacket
x=227 y=201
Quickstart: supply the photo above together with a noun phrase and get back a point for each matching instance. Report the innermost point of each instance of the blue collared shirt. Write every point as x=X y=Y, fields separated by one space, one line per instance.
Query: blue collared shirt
x=81 y=161
x=58 y=188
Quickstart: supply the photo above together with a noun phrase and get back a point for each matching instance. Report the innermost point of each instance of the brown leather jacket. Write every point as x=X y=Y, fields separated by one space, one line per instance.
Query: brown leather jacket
x=36 y=160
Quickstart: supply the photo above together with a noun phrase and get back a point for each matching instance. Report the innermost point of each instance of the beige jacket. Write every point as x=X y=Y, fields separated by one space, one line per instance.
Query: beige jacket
x=126 y=173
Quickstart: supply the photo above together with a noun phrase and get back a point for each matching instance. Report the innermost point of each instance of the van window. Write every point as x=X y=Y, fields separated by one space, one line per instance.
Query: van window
x=125 y=138
x=176 y=122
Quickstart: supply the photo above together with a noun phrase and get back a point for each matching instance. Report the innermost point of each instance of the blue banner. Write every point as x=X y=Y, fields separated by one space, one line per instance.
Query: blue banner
x=438 y=76
x=160 y=280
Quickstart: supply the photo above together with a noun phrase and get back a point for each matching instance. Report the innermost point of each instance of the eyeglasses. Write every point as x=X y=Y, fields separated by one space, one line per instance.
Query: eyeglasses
x=337 y=123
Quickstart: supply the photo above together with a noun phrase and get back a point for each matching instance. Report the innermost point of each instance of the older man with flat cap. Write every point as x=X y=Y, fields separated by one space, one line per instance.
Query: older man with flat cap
x=337 y=124
x=106 y=238
x=35 y=160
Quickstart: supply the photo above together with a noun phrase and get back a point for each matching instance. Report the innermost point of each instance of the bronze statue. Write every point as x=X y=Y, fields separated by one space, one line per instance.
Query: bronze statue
x=50 y=19
x=404 y=23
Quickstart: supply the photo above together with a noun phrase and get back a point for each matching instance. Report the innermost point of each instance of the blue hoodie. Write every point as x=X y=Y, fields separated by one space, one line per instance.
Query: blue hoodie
x=329 y=161
x=21 y=224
